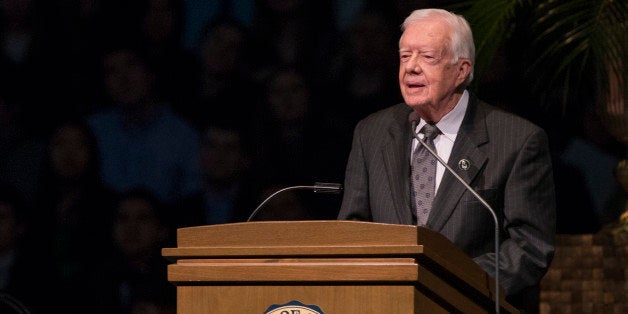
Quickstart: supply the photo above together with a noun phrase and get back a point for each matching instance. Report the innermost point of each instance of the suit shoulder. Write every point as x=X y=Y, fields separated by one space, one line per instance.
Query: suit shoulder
x=500 y=118
x=395 y=113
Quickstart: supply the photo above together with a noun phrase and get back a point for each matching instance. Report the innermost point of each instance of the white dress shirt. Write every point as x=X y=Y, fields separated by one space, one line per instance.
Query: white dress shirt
x=444 y=142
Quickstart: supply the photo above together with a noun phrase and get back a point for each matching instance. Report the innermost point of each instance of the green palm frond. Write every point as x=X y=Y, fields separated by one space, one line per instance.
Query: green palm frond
x=576 y=39
x=492 y=22
x=570 y=42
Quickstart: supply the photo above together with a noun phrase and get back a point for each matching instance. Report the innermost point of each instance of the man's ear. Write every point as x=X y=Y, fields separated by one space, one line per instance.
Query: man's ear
x=464 y=69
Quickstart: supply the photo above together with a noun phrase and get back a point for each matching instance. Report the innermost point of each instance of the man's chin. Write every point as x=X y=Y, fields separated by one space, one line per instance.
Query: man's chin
x=416 y=103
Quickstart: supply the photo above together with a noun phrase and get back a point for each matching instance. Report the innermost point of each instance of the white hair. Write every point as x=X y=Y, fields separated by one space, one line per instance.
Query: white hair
x=461 y=44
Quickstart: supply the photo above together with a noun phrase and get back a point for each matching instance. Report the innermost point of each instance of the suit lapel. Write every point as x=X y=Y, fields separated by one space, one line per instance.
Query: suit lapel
x=396 y=154
x=471 y=135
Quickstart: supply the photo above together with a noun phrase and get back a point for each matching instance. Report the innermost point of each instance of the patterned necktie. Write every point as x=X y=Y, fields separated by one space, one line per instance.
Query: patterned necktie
x=424 y=175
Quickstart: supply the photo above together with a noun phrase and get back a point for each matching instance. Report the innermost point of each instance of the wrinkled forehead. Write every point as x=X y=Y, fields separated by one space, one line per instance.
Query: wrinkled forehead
x=429 y=32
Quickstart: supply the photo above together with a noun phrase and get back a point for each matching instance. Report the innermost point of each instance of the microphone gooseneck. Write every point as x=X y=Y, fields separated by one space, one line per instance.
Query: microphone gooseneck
x=13 y=303
x=318 y=187
x=413 y=119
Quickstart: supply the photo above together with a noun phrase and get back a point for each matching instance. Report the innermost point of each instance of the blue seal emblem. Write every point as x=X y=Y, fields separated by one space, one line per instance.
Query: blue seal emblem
x=293 y=307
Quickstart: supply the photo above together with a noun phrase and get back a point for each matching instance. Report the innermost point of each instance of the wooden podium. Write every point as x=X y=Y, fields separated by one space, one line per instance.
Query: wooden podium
x=324 y=267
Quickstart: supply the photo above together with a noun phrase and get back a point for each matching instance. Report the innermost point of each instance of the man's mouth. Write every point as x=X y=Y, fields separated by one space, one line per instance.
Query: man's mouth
x=414 y=85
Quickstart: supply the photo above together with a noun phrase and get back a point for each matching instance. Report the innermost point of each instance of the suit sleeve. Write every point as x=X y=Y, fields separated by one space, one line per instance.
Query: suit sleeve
x=528 y=219
x=355 y=202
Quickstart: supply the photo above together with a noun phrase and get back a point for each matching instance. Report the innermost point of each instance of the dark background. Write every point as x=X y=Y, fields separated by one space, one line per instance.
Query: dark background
x=290 y=78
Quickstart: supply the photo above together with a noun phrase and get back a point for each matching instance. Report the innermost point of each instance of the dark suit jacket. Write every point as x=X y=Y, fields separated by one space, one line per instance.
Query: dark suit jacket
x=510 y=168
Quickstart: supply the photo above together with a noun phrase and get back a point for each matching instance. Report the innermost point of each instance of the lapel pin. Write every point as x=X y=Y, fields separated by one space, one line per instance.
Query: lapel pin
x=464 y=164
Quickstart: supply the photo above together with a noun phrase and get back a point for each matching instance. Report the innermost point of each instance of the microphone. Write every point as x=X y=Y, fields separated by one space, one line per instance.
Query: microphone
x=414 y=120
x=13 y=303
x=318 y=187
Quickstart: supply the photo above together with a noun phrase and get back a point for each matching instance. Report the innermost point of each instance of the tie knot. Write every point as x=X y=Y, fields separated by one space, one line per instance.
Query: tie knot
x=430 y=131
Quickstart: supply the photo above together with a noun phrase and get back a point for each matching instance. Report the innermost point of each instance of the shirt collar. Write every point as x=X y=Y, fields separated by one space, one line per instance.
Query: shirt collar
x=450 y=123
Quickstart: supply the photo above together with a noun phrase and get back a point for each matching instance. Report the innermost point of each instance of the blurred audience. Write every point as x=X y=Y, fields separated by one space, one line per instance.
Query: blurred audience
x=81 y=28
x=362 y=75
x=160 y=29
x=142 y=142
x=229 y=190
x=200 y=13
x=147 y=301
x=21 y=152
x=72 y=210
x=224 y=89
x=589 y=195
x=297 y=141
x=30 y=71
x=135 y=268
x=292 y=33
x=22 y=277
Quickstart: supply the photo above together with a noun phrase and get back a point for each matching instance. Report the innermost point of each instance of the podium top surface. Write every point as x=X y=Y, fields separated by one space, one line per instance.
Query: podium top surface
x=305 y=233
x=317 y=238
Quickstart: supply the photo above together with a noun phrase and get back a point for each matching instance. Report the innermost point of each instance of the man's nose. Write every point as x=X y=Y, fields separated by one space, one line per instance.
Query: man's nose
x=413 y=65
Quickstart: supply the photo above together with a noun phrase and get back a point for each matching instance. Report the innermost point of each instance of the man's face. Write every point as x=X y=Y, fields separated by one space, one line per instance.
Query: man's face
x=137 y=230
x=222 y=158
x=70 y=153
x=427 y=76
x=127 y=78
x=222 y=50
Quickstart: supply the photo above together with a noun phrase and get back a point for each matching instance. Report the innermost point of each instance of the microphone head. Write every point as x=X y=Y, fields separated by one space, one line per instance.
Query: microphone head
x=325 y=187
x=414 y=117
